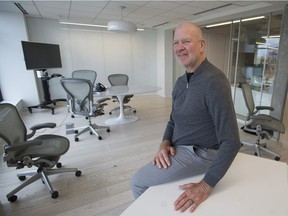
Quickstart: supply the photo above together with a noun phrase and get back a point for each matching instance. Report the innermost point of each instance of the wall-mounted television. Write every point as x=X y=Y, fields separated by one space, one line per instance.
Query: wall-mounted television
x=41 y=56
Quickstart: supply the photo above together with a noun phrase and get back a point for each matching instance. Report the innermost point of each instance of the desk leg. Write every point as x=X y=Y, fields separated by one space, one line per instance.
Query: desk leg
x=122 y=118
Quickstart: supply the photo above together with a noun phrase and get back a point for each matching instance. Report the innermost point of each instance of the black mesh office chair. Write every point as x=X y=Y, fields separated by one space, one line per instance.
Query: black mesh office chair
x=264 y=126
x=120 y=80
x=81 y=101
x=42 y=152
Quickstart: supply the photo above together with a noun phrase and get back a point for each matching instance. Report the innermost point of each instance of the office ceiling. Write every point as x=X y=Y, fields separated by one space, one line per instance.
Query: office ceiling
x=146 y=14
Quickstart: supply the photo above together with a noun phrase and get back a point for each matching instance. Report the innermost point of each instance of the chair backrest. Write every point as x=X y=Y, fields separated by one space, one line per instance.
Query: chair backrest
x=80 y=92
x=12 y=128
x=85 y=74
x=118 y=79
x=248 y=98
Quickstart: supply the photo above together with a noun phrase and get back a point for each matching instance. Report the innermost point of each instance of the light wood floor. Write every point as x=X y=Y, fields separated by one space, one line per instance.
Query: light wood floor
x=107 y=165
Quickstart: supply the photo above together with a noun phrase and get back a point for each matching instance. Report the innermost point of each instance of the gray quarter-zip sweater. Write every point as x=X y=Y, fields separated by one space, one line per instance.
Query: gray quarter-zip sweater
x=203 y=115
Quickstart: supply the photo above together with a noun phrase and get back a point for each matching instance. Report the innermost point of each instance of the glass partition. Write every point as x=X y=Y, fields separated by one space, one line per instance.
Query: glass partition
x=254 y=50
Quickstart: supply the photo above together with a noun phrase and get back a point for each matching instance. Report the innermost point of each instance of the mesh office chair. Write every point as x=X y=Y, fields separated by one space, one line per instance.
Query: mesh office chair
x=83 y=74
x=20 y=151
x=120 y=80
x=80 y=92
x=264 y=126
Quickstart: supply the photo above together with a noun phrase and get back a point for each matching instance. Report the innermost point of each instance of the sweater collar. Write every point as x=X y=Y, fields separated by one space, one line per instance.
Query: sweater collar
x=200 y=68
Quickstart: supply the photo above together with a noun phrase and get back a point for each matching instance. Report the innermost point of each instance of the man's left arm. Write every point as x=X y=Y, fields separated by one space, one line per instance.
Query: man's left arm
x=222 y=111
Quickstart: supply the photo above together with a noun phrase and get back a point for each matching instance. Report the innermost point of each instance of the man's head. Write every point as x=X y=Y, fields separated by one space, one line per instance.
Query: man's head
x=189 y=46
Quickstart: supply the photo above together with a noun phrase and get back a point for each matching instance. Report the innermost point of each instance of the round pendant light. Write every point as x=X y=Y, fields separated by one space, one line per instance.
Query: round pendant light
x=121 y=25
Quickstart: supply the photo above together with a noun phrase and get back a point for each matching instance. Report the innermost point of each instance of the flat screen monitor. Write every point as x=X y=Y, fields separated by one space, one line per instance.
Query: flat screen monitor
x=41 y=56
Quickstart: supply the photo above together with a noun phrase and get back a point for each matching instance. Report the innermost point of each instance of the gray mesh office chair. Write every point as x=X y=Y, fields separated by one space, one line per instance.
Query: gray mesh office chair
x=83 y=74
x=42 y=152
x=120 y=80
x=264 y=126
x=81 y=101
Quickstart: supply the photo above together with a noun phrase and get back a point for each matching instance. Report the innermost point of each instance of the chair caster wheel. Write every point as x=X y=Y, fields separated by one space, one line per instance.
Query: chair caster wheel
x=54 y=195
x=59 y=165
x=22 y=178
x=110 y=113
x=277 y=158
x=108 y=130
x=99 y=138
x=78 y=173
x=76 y=131
x=12 y=198
x=76 y=139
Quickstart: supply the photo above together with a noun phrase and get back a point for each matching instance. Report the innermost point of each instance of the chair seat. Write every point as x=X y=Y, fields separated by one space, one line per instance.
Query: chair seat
x=52 y=145
x=267 y=123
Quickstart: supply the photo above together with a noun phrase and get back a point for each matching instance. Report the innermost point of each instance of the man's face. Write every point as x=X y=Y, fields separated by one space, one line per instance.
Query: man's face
x=188 y=46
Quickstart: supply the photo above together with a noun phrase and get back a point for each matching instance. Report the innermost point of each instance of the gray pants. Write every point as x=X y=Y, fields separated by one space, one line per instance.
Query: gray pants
x=188 y=161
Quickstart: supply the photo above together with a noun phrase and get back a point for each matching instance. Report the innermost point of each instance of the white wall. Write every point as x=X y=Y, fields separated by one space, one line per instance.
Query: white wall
x=102 y=51
x=217 y=49
x=165 y=61
x=16 y=82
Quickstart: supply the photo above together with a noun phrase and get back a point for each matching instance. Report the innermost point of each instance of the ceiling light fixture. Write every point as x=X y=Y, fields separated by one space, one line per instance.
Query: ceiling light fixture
x=90 y=25
x=235 y=21
x=121 y=25
x=82 y=24
x=271 y=36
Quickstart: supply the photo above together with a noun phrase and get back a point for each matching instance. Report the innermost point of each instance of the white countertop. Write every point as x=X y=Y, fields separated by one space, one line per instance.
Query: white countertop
x=252 y=186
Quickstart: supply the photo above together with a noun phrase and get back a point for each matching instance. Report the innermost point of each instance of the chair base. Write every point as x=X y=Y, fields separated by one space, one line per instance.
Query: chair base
x=45 y=105
x=92 y=128
x=258 y=147
x=41 y=173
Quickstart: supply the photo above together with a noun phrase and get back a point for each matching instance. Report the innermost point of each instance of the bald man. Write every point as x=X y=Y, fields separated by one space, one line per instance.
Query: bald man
x=201 y=136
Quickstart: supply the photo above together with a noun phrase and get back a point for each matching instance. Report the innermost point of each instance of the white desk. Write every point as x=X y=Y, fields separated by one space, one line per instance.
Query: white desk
x=252 y=186
x=120 y=92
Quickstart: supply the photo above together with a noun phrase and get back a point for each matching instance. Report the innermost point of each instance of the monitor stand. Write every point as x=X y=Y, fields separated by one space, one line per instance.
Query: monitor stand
x=47 y=99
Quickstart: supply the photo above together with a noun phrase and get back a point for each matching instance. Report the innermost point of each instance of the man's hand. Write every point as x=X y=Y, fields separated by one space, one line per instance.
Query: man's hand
x=162 y=158
x=194 y=194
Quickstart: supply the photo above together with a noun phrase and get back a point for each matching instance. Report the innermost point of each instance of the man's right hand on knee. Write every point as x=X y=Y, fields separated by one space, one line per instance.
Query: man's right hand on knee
x=162 y=158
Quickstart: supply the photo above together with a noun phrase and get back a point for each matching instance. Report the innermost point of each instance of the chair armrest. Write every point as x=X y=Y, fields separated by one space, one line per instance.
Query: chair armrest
x=23 y=145
x=36 y=127
x=43 y=125
x=264 y=108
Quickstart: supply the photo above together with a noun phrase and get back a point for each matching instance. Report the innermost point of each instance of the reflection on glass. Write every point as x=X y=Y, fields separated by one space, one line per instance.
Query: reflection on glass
x=254 y=53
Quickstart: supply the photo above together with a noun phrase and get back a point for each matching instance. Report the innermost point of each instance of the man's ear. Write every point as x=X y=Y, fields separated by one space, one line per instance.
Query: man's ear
x=202 y=44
